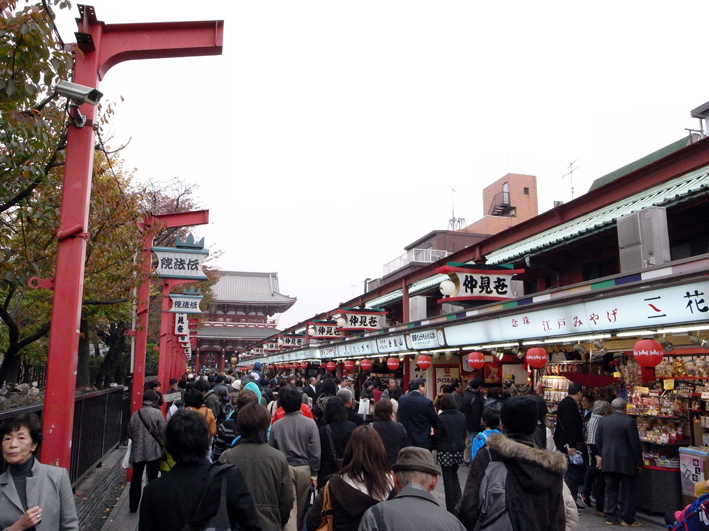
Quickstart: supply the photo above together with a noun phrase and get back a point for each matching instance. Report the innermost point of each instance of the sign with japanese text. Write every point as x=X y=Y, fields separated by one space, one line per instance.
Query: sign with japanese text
x=660 y=307
x=357 y=348
x=391 y=344
x=184 y=339
x=482 y=283
x=425 y=339
x=291 y=340
x=328 y=352
x=271 y=346
x=318 y=330
x=362 y=320
x=181 y=324
x=185 y=303
x=180 y=263
x=256 y=351
x=445 y=376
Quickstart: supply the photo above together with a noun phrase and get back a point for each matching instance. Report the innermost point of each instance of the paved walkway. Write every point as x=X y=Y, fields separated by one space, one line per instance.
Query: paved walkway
x=120 y=518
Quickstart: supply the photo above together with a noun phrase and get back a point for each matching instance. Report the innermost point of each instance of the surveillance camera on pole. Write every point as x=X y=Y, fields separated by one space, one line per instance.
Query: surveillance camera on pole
x=78 y=93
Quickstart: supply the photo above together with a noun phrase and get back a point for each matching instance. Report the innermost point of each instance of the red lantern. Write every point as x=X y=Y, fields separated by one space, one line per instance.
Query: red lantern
x=393 y=363
x=423 y=362
x=287 y=366
x=366 y=364
x=349 y=365
x=476 y=360
x=648 y=353
x=272 y=367
x=281 y=367
x=536 y=357
x=303 y=365
x=331 y=365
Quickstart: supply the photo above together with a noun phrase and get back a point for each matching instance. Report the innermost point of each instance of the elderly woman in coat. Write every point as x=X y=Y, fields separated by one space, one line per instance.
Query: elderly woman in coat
x=32 y=495
x=146 y=431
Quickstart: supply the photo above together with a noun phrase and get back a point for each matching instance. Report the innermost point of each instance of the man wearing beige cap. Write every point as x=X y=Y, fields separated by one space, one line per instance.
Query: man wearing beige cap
x=415 y=477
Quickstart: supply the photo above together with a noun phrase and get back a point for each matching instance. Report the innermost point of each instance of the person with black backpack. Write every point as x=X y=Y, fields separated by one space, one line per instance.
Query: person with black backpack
x=472 y=409
x=512 y=484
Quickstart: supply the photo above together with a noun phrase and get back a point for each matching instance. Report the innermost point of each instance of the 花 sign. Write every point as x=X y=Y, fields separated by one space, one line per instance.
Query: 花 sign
x=476 y=282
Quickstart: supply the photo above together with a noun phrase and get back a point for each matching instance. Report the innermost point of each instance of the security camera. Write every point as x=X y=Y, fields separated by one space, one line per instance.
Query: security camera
x=78 y=93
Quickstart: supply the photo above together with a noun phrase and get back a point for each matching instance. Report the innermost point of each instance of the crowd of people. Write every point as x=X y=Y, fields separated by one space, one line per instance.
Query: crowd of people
x=286 y=452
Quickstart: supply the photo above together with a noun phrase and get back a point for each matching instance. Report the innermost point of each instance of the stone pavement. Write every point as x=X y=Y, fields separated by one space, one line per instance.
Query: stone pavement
x=120 y=518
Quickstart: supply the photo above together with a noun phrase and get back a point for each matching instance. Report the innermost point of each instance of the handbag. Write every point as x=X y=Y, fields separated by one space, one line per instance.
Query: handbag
x=126 y=458
x=338 y=461
x=326 y=513
x=166 y=460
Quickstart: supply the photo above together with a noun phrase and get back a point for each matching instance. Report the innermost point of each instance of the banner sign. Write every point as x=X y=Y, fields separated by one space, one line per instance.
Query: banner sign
x=180 y=263
x=481 y=283
x=291 y=340
x=446 y=375
x=357 y=348
x=362 y=320
x=425 y=339
x=181 y=324
x=684 y=304
x=391 y=344
x=322 y=330
x=271 y=346
x=185 y=303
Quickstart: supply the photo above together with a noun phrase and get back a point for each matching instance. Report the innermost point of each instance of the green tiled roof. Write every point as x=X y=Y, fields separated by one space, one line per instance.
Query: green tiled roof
x=648 y=159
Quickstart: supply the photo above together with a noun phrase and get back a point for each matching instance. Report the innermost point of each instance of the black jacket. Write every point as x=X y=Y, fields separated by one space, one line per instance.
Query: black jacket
x=171 y=500
x=451 y=431
x=569 y=426
x=417 y=415
x=341 y=432
x=473 y=409
x=536 y=475
x=393 y=436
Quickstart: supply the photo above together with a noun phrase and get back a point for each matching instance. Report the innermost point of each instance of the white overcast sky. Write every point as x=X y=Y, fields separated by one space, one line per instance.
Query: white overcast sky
x=328 y=134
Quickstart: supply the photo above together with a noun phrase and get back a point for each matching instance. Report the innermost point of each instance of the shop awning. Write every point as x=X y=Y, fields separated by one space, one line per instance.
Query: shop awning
x=590 y=380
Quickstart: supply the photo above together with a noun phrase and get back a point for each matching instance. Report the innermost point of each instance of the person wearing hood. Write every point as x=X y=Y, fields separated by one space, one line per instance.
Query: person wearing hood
x=257 y=373
x=535 y=475
x=256 y=389
x=145 y=429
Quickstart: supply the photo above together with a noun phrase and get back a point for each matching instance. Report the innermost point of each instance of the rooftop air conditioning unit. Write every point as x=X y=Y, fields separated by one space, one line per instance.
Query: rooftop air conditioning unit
x=643 y=239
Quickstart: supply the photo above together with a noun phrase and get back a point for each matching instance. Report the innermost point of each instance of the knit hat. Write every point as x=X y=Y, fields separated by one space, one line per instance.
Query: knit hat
x=418 y=459
x=519 y=414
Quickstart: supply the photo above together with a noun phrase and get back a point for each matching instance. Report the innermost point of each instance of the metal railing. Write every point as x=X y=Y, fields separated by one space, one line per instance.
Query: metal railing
x=100 y=419
x=421 y=256
x=499 y=204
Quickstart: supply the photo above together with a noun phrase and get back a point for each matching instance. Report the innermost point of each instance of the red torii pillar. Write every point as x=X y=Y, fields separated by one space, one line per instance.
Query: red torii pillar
x=101 y=47
x=163 y=221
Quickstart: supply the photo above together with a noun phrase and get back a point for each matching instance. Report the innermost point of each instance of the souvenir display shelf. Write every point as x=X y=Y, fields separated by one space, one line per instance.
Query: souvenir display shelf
x=556 y=386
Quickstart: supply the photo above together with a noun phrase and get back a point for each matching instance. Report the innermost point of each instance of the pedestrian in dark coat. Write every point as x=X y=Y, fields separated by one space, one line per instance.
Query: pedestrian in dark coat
x=340 y=430
x=393 y=433
x=472 y=409
x=450 y=443
x=417 y=415
x=171 y=501
x=535 y=475
x=569 y=437
x=618 y=442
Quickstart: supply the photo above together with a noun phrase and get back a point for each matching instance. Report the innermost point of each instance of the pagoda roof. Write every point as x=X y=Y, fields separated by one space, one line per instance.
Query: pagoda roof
x=250 y=288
